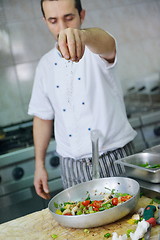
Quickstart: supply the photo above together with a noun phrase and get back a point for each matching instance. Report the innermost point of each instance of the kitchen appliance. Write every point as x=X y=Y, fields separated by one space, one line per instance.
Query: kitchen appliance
x=17 y=194
x=132 y=165
x=97 y=189
x=16 y=137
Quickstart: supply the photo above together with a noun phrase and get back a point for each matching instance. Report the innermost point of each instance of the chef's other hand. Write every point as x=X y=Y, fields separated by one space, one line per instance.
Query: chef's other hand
x=41 y=183
x=71 y=44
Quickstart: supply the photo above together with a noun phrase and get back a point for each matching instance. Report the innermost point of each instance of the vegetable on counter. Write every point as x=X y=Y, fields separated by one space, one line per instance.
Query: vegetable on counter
x=156 y=200
x=107 y=235
x=86 y=230
x=129 y=231
x=54 y=236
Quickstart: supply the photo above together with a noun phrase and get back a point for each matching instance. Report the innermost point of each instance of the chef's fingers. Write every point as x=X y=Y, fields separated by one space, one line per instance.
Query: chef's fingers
x=73 y=41
x=78 y=45
x=46 y=189
x=83 y=49
x=38 y=188
x=40 y=191
x=70 y=44
x=46 y=195
x=62 y=45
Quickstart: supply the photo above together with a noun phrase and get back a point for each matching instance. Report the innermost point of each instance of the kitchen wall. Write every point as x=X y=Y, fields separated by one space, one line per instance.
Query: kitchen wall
x=24 y=38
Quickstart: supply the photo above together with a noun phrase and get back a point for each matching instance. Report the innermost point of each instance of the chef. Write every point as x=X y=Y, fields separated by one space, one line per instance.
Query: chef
x=75 y=85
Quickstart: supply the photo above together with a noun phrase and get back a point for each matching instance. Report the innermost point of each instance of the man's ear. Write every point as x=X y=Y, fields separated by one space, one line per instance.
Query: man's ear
x=82 y=15
x=45 y=21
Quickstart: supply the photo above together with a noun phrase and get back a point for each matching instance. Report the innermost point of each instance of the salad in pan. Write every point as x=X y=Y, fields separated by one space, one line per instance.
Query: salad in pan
x=88 y=206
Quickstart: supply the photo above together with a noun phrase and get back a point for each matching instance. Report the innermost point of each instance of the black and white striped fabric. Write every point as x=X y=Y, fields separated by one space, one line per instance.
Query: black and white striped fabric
x=77 y=171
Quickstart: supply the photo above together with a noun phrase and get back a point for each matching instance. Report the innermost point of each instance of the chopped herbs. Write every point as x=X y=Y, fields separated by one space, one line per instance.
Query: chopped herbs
x=147 y=165
x=56 y=205
x=107 y=235
x=54 y=236
x=156 y=200
x=129 y=231
x=88 y=198
x=111 y=190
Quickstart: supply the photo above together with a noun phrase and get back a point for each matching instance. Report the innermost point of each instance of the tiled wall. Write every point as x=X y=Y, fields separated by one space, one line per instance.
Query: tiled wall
x=24 y=38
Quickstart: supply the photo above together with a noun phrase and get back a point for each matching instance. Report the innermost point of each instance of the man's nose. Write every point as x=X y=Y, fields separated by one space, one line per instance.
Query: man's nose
x=62 y=25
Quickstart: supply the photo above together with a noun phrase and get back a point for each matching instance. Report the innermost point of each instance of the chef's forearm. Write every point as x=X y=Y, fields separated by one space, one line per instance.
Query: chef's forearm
x=100 y=42
x=42 y=132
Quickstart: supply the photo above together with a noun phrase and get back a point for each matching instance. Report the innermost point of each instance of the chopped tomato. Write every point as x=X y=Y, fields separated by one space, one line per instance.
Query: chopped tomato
x=125 y=198
x=69 y=214
x=115 y=201
x=86 y=202
x=97 y=204
x=95 y=209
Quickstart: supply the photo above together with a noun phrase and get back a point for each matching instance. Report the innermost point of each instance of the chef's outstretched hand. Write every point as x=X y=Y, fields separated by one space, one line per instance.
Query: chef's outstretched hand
x=41 y=183
x=71 y=44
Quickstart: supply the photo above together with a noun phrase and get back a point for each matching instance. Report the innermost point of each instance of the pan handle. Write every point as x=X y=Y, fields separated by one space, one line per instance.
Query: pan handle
x=95 y=134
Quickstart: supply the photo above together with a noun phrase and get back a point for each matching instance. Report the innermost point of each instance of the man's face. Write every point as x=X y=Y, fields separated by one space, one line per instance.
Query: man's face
x=62 y=14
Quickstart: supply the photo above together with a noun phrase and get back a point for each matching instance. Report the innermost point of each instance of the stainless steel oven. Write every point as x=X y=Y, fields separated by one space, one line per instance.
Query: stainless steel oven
x=17 y=194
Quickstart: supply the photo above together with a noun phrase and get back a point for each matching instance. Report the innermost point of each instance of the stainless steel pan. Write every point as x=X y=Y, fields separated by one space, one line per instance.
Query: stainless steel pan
x=97 y=188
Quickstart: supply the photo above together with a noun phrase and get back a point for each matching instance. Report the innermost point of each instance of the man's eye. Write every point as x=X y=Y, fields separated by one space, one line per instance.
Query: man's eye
x=52 y=21
x=69 y=18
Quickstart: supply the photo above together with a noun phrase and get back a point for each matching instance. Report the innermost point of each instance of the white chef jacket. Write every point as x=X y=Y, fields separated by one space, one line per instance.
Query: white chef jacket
x=80 y=97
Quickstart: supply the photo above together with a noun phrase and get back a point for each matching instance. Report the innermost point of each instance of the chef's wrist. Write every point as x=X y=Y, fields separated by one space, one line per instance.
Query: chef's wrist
x=39 y=164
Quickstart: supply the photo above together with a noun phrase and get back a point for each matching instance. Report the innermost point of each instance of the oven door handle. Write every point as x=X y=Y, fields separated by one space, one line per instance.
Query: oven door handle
x=16 y=197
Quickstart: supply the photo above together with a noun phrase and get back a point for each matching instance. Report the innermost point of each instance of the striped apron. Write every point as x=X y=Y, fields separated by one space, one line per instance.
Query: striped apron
x=80 y=170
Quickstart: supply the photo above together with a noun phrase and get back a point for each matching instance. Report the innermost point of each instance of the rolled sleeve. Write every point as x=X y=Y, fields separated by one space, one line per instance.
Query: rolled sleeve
x=111 y=65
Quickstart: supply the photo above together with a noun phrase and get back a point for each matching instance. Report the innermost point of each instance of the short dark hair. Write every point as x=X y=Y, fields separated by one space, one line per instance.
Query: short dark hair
x=78 y=5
